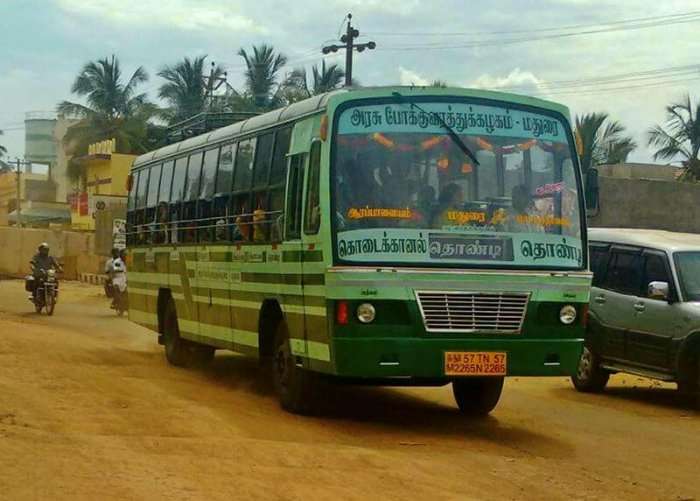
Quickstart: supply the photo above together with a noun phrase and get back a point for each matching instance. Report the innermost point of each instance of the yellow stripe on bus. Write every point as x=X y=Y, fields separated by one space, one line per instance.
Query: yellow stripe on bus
x=155 y=278
x=319 y=311
x=310 y=349
x=142 y=317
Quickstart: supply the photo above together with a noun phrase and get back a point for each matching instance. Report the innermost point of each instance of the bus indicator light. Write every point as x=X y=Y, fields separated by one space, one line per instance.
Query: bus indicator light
x=341 y=313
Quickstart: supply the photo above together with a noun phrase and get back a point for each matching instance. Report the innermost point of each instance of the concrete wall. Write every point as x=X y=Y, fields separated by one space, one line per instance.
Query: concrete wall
x=652 y=204
x=73 y=249
x=639 y=171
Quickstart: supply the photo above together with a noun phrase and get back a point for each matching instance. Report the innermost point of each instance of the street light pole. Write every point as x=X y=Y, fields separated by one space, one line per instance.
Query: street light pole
x=349 y=40
x=18 y=221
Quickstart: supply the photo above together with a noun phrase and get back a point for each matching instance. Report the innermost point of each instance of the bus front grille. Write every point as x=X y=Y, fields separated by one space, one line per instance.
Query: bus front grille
x=498 y=312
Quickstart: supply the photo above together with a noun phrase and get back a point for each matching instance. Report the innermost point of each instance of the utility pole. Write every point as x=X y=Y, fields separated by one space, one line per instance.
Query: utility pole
x=20 y=163
x=349 y=40
x=213 y=83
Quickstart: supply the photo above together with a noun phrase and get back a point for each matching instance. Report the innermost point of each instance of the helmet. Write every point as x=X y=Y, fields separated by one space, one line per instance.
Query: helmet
x=43 y=247
x=115 y=253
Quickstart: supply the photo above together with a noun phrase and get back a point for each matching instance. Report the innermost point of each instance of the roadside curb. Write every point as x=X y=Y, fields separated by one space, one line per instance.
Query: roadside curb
x=92 y=278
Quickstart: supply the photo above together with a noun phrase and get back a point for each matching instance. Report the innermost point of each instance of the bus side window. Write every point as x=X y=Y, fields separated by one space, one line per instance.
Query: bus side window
x=151 y=202
x=141 y=193
x=294 y=194
x=312 y=211
x=206 y=192
x=261 y=172
x=176 y=197
x=222 y=194
x=194 y=174
x=131 y=210
x=278 y=179
x=242 y=180
x=162 y=235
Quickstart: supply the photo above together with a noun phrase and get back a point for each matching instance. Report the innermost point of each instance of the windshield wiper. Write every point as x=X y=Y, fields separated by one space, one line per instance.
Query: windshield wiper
x=450 y=131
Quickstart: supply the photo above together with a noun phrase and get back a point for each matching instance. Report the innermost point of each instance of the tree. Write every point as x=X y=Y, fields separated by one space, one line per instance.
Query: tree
x=185 y=89
x=679 y=137
x=3 y=150
x=323 y=79
x=603 y=141
x=261 y=77
x=114 y=109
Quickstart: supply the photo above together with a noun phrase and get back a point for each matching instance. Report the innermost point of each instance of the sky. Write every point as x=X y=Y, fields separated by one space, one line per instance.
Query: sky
x=44 y=44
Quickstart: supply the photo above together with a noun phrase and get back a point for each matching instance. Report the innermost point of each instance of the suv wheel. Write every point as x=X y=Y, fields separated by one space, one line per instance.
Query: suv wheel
x=590 y=377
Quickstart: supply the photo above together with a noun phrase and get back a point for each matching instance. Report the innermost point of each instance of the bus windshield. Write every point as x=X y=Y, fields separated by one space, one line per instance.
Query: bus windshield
x=405 y=192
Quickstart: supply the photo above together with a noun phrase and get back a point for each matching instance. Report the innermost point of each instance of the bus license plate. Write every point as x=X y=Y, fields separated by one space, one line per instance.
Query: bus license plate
x=476 y=363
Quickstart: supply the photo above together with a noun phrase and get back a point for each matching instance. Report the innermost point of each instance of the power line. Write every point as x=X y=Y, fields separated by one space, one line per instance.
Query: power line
x=537 y=30
x=692 y=71
x=517 y=40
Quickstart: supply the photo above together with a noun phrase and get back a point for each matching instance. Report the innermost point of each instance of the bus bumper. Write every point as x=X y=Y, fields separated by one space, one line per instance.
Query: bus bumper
x=420 y=358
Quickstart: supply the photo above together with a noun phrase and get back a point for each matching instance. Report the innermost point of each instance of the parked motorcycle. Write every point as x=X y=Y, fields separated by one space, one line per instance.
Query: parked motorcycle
x=43 y=285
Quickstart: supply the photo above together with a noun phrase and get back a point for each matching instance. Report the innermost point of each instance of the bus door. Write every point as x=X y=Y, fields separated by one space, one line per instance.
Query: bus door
x=292 y=295
x=313 y=280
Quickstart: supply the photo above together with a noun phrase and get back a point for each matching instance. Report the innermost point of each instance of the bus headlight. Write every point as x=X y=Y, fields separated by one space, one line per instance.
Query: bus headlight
x=567 y=315
x=366 y=313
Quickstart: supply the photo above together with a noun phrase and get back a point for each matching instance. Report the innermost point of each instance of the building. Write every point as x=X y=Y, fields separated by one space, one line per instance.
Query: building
x=105 y=174
x=37 y=200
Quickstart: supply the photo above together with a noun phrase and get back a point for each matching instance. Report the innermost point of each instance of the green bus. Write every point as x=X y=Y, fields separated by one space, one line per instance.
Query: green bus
x=387 y=236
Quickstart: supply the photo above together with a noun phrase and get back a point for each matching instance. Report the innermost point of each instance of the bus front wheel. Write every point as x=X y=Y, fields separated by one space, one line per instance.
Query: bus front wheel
x=477 y=396
x=296 y=388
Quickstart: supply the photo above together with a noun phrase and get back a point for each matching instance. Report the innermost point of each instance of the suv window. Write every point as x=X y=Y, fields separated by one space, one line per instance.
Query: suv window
x=600 y=254
x=656 y=269
x=624 y=272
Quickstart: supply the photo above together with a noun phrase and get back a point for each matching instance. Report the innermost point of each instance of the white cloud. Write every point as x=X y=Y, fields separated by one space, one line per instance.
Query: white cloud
x=400 y=7
x=410 y=77
x=521 y=81
x=183 y=14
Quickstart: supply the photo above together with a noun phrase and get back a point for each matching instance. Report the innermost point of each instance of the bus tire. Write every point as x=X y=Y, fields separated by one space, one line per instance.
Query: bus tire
x=176 y=349
x=689 y=385
x=296 y=388
x=590 y=377
x=477 y=396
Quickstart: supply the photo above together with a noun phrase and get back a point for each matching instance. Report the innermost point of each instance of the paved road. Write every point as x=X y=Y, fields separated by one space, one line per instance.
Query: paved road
x=89 y=409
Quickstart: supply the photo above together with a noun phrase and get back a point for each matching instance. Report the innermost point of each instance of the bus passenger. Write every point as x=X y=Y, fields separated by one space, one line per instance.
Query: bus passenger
x=521 y=218
x=451 y=198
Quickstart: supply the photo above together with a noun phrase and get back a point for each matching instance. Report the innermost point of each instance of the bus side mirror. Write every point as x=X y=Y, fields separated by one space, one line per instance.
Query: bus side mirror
x=592 y=192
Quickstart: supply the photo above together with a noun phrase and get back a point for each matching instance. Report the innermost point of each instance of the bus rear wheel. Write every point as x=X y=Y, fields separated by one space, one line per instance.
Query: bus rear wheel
x=176 y=349
x=296 y=388
x=477 y=396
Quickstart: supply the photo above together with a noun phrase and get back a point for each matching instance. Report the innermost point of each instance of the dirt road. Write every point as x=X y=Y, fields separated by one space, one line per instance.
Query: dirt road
x=89 y=409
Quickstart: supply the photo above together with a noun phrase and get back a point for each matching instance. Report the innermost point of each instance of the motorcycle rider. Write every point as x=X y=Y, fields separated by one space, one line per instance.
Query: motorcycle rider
x=42 y=260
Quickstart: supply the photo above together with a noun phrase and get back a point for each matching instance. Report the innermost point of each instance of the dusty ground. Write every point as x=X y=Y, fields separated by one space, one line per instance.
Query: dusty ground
x=89 y=409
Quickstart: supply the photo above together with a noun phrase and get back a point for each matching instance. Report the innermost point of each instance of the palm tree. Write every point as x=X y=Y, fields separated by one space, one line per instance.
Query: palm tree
x=185 y=89
x=680 y=137
x=3 y=150
x=602 y=141
x=114 y=109
x=323 y=79
x=262 y=69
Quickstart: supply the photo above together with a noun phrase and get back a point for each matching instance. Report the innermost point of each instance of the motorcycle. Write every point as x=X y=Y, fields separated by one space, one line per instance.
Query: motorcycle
x=44 y=288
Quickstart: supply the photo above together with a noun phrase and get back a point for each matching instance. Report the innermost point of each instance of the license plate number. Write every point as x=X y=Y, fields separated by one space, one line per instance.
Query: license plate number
x=476 y=363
